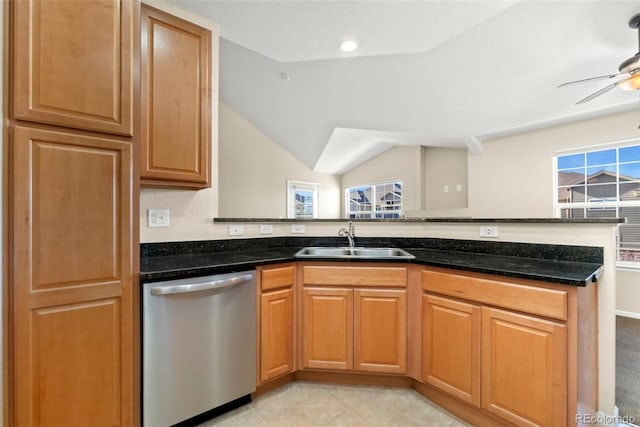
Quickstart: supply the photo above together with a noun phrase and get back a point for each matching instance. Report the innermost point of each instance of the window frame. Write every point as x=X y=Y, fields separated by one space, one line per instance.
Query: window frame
x=605 y=203
x=373 y=214
x=292 y=186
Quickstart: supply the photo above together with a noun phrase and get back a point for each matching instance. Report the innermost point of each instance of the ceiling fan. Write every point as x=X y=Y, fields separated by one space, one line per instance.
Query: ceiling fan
x=629 y=70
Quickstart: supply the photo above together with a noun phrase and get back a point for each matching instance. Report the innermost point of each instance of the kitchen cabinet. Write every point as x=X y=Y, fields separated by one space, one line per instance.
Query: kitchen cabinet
x=354 y=318
x=327 y=328
x=73 y=341
x=524 y=372
x=71 y=279
x=276 y=319
x=72 y=63
x=451 y=347
x=510 y=347
x=380 y=330
x=176 y=110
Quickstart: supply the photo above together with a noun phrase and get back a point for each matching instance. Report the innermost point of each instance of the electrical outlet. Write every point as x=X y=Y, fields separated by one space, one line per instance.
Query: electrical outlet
x=158 y=218
x=458 y=187
x=297 y=228
x=491 y=231
x=445 y=189
x=266 y=229
x=236 y=230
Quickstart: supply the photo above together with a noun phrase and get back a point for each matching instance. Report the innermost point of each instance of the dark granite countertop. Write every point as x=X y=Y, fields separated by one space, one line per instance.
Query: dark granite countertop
x=434 y=219
x=563 y=264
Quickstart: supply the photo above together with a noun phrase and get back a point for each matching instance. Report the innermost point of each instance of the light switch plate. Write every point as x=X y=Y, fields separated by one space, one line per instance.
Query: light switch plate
x=158 y=218
x=297 y=228
x=236 y=230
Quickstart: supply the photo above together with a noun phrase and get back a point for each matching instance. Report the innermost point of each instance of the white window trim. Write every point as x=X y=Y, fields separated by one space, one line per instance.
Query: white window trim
x=372 y=212
x=557 y=207
x=295 y=185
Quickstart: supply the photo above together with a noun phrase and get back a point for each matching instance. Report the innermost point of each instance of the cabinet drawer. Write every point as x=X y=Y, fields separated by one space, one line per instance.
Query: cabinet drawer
x=274 y=278
x=355 y=276
x=539 y=301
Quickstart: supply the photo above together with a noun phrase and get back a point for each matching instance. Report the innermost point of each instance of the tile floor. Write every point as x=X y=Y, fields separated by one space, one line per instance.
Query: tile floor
x=302 y=404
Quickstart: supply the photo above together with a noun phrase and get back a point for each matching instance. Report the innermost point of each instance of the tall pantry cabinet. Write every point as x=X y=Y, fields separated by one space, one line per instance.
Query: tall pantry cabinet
x=73 y=238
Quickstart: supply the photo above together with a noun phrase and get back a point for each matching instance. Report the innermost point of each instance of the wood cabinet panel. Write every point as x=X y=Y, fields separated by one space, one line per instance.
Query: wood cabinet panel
x=451 y=347
x=71 y=246
x=72 y=63
x=355 y=276
x=524 y=368
x=280 y=277
x=380 y=330
x=327 y=328
x=176 y=101
x=530 y=299
x=75 y=353
x=276 y=334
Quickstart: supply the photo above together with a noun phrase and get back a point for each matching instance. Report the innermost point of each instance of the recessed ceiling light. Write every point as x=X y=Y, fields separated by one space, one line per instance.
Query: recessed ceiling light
x=348 y=46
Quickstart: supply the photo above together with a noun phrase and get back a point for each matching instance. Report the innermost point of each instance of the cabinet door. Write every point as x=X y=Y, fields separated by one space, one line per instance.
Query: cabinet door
x=73 y=63
x=72 y=314
x=524 y=368
x=176 y=101
x=380 y=330
x=276 y=334
x=451 y=347
x=327 y=328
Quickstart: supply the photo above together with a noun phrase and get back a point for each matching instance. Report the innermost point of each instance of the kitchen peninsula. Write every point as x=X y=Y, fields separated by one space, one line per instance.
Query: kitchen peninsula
x=513 y=283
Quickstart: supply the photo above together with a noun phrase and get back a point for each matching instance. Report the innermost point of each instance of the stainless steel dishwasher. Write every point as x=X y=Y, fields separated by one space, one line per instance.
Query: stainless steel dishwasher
x=198 y=344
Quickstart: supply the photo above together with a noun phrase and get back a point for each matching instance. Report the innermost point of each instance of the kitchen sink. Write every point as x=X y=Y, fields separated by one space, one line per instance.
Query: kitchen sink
x=357 y=252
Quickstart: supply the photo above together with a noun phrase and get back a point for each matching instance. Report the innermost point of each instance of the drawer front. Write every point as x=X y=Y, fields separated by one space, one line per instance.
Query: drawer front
x=274 y=278
x=355 y=276
x=529 y=299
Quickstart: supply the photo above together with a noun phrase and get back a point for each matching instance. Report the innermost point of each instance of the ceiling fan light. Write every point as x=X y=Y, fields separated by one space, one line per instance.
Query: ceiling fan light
x=632 y=83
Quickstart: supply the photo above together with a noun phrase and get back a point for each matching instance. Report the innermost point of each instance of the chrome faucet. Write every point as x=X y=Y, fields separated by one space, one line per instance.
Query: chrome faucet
x=349 y=234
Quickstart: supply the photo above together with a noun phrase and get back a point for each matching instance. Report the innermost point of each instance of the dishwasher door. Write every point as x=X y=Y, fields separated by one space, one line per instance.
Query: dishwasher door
x=199 y=345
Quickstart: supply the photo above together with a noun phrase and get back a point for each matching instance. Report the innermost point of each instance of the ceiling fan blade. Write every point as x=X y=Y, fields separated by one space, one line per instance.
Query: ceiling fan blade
x=609 y=76
x=601 y=91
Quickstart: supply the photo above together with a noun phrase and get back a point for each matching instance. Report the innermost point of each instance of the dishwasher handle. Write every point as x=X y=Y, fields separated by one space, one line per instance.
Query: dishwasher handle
x=159 y=290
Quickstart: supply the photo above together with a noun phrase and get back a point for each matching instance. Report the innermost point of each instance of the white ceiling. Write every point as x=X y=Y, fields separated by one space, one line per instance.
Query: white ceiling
x=435 y=73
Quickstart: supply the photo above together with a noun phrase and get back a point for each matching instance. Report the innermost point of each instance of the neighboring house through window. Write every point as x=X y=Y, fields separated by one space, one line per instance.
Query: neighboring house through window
x=603 y=183
x=381 y=200
x=302 y=199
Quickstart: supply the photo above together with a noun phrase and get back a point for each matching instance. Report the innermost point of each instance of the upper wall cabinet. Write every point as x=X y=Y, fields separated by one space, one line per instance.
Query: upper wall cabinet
x=176 y=101
x=72 y=63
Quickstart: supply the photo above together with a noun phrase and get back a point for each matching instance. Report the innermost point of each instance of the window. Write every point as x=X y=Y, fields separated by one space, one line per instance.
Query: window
x=382 y=200
x=302 y=199
x=603 y=183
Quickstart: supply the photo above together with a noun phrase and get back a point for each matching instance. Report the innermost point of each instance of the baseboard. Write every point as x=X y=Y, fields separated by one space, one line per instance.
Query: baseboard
x=631 y=314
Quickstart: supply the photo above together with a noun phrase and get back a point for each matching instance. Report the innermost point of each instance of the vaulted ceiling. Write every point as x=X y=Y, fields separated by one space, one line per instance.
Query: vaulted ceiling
x=434 y=73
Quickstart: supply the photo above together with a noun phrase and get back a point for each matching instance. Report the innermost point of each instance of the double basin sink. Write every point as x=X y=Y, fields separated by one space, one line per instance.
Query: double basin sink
x=354 y=253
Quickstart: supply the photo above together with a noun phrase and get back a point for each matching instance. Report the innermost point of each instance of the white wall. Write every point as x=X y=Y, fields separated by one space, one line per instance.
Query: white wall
x=190 y=212
x=445 y=167
x=253 y=173
x=513 y=177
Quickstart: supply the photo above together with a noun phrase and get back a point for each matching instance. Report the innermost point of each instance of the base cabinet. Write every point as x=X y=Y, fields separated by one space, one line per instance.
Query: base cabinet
x=380 y=330
x=451 y=347
x=525 y=369
x=327 y=328
x=276 y=318
x=354 y=328
x=524 y=372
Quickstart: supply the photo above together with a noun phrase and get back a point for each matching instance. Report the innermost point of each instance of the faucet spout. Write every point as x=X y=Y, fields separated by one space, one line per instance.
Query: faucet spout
x=349 y=234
